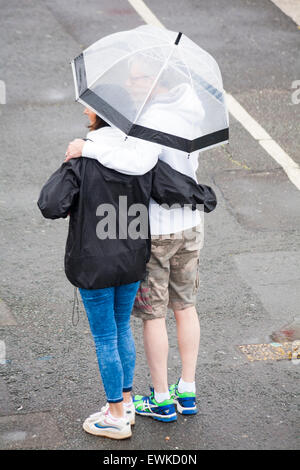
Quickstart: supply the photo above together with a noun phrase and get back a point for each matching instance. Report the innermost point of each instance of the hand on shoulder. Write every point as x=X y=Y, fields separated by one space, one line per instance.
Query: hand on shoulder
x=74 y=149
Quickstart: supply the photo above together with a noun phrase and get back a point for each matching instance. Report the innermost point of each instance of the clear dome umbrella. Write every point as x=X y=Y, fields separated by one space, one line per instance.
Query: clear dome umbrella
x=155 y=85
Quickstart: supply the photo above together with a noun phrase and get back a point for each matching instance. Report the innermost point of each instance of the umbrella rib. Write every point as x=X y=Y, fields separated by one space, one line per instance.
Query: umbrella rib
x=192 y=82
x=190 y=50
x=210 y=68
x=123 y=58
x=206 y=88
x=151 y=89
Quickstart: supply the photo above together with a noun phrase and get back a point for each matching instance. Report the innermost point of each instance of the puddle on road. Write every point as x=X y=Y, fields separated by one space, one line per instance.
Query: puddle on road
x=13 y=436
x=29 y=431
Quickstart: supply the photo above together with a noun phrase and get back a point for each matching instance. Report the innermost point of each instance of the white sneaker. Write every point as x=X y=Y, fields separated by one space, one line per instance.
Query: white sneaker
x=108 y=426
x=129 y=411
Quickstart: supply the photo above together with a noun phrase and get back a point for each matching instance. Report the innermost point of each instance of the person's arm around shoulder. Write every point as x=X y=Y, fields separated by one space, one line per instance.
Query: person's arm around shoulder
x=130 y=156
x=172 y=187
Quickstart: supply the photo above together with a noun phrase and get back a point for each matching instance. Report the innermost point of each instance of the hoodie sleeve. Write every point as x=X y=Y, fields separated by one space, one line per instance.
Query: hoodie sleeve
x=131 y=157
x=172 y=187
x=59 y=192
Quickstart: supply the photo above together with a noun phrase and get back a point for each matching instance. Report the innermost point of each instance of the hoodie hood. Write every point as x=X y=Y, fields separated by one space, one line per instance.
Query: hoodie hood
x=177 y=112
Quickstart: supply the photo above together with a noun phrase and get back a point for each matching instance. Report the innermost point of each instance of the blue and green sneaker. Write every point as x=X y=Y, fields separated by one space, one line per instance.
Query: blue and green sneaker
x=148 y=406
x=186 y=402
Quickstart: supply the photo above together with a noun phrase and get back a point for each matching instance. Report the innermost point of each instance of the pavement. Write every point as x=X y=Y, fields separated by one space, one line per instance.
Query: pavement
x=250 y=282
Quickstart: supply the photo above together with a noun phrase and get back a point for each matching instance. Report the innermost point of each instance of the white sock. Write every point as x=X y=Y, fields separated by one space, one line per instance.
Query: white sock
x=186 y=387
x=160 y=397
x=115 y=418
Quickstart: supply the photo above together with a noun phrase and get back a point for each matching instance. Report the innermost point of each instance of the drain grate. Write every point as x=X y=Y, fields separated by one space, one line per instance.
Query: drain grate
x=271 y=351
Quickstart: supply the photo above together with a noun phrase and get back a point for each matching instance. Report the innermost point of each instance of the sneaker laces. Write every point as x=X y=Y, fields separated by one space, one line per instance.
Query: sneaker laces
x=146 y=404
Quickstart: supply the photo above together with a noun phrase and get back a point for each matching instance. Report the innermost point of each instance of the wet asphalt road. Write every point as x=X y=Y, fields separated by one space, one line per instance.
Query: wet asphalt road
x=250 y=283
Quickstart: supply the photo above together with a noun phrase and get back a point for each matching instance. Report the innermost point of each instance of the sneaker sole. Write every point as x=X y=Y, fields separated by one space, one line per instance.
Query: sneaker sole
x=106 y=433
x=167 y=419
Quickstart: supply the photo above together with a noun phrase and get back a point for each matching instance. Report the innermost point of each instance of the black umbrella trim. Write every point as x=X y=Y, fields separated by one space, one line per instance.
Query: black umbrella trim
x=179 y=143
x=101 y=107
x=80 y=74
x=106 y=111
x=113 y=116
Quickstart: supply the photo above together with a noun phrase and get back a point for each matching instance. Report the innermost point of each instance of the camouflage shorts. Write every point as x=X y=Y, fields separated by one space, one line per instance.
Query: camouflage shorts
x=172 y=278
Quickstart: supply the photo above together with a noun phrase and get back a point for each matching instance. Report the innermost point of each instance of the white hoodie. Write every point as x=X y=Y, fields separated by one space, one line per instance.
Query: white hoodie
x=175 y=113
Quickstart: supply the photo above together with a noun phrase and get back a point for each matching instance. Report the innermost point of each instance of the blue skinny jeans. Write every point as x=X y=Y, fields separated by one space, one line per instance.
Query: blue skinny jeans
x=108 y=311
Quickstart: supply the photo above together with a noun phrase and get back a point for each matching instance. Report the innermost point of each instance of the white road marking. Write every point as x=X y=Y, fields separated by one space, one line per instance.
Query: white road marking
x=145 y=13
x=291 y=8
x=2 y=353
x=290 y=167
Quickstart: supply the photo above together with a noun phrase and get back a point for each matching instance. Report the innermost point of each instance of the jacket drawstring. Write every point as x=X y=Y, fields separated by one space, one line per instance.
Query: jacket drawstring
x=75 y=308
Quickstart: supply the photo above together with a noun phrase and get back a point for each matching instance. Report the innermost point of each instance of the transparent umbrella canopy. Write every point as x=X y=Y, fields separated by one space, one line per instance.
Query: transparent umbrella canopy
x=155 y=85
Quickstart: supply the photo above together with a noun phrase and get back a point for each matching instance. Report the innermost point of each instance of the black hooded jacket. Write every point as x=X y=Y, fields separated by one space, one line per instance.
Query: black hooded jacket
x=80 y=187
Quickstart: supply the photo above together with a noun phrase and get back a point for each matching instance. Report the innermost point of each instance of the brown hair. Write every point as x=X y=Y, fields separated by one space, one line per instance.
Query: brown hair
x=99 y=122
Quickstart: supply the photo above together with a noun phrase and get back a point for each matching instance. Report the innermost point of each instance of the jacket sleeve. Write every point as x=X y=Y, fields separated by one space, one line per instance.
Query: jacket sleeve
x=172 y=187
x=59 y=192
